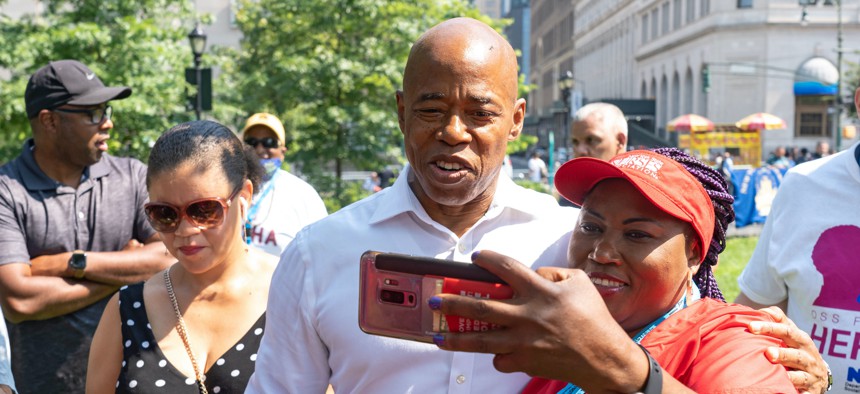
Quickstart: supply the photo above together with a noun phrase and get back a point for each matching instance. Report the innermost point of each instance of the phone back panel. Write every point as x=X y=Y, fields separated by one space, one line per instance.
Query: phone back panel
x=394 y=304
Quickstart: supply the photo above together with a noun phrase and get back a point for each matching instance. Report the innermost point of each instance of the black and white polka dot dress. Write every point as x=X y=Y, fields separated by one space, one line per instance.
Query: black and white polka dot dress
x=146 y=370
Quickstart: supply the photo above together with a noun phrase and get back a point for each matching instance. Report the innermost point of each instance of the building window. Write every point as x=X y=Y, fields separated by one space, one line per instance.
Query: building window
x=665 y=18
x=691 y=11
x=233 y=8
x=704 y=8
x=547 y=88
x=744 y=3
x=534 y=56
x=676 y=14
x=675 y=110
x=811 y=116
x=654 y=15
x=663 y=107
x=644 y=29
x=688 y=92
x=703 y=95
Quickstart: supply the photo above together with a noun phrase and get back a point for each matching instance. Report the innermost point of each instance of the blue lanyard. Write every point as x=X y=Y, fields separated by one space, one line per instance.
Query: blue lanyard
x=255 y=206
x=573 y=389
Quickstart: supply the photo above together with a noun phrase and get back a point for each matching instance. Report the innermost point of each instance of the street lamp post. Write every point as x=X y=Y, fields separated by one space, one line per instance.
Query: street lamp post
x=837 y=99
x=565 y=83
x=197 y=39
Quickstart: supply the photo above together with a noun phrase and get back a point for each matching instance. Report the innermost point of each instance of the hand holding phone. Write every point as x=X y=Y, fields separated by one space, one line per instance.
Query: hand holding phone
x=395 y=289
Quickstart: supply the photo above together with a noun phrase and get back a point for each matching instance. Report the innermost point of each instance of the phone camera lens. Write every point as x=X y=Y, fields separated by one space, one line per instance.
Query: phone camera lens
x=394 y=297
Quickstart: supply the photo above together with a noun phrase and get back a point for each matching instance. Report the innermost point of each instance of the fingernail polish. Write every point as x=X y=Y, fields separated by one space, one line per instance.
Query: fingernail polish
x=435 y=303
x=438 y=339
x=475 y=254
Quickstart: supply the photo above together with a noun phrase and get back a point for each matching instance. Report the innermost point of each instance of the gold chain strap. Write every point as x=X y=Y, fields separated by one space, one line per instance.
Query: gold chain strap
x=183 y=332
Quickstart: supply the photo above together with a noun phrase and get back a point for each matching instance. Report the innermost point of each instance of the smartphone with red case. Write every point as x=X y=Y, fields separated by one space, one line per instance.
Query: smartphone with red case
x=395 y=288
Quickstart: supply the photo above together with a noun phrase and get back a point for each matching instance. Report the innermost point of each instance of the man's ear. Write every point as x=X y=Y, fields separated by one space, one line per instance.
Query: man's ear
x=47 y=120
x=622 y=142
x=519 y=119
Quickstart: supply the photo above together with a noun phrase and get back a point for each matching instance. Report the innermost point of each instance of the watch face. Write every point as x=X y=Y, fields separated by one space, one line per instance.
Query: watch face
x=78 y=261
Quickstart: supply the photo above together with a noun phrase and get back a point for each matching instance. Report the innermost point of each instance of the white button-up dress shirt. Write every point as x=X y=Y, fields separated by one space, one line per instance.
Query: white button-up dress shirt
x=312 y=336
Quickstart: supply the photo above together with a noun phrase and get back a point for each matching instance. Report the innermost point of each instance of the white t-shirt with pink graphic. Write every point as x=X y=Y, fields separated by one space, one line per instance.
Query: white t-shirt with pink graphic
x=809 y=252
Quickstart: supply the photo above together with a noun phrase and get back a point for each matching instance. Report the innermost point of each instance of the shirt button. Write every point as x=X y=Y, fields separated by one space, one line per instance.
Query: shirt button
x=462 y=248
x=461 y=379
x=81 y=216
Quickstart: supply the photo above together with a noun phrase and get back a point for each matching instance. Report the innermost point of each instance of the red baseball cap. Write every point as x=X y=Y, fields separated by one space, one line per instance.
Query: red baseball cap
x=662 y=180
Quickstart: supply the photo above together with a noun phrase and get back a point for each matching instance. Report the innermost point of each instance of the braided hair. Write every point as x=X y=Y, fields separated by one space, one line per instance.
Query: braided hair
x=724 y=213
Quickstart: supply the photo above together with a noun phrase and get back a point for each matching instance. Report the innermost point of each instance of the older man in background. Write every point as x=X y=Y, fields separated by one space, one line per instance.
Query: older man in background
x=599 y=130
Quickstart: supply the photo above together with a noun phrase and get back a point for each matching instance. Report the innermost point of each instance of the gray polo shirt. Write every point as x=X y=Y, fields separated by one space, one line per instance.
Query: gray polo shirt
x=39 y=216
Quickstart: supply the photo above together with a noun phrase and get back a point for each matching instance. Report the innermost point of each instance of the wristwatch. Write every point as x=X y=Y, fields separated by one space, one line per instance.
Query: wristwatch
x=78 y=263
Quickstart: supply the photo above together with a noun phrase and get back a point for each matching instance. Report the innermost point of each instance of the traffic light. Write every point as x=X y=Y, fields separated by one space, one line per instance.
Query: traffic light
x=204 y=88
x=706 y=79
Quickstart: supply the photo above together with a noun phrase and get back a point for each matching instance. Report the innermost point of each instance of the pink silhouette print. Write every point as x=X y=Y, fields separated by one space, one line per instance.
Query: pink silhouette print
x=836 y=256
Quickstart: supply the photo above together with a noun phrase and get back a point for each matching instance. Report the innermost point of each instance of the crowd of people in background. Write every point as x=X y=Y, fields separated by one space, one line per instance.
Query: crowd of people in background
x=785 y=158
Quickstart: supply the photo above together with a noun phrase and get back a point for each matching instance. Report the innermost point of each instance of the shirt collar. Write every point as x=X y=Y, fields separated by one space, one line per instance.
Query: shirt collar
x=35 y=179
x=513 y=196
x=399 y=199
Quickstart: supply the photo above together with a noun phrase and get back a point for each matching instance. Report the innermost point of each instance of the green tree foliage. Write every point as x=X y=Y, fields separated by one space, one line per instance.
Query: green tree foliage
x=141 y=44
x=521 y=144
x=329 y=69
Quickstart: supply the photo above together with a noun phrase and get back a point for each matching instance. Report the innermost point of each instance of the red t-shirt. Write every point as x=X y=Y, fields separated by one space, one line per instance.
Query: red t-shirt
x=707 y=347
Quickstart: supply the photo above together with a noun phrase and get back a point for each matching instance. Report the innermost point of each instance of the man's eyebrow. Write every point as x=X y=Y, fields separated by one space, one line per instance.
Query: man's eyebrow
x=481 y=99
x=439 y=96
x=431 y=96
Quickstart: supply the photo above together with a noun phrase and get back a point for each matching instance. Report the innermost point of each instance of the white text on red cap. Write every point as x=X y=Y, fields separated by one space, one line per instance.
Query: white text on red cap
x=645 y=164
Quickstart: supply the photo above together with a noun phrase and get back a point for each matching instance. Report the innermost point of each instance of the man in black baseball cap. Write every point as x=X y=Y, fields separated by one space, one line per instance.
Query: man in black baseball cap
x=72 y=228
x=68 y=82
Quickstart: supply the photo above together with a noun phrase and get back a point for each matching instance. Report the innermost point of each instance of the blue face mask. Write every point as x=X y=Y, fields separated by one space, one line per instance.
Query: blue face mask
x=271 y=165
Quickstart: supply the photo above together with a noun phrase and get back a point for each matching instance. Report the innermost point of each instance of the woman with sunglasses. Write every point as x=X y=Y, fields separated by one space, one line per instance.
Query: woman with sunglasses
x=651 y=227
x=195 y=327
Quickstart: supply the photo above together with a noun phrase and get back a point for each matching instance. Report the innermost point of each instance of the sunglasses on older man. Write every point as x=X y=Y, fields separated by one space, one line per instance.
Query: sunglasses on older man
x=96 y=115
x=203 y=213
x=268 y=142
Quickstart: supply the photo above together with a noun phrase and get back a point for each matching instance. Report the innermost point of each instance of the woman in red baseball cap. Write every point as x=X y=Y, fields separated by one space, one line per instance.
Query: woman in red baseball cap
x=651 y=226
